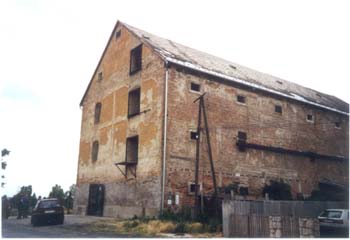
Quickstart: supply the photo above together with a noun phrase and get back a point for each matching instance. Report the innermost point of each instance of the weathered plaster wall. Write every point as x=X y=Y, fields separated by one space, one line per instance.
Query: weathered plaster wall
x=123 y=197
x=252 y=168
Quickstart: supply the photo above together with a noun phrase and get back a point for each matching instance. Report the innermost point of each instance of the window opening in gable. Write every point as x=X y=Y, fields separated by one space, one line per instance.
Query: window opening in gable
x=135 y=59
x=278 y=109
x=241 y=140
x=132 y=148
x=117 y=34
x=100 y=76
x=134 y=102
x=240 y=99
x=98 y=108
x=94 y=152
x=195 y=87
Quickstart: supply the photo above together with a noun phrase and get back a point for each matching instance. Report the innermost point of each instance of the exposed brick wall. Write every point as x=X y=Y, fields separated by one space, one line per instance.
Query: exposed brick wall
x=257 y=117
x=114 y=127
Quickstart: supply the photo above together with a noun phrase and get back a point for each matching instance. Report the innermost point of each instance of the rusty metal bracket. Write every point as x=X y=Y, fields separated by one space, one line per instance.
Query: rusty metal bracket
x=126 y=164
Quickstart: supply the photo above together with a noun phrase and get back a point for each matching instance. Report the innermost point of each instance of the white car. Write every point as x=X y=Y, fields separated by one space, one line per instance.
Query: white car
x=334 y=218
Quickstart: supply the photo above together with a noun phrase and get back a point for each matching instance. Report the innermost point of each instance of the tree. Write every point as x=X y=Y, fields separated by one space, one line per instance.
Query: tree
x=278 y=190
x=24 y=191
x=57 y=192
x=4 y=152
x=33 y=200
x=72 y=189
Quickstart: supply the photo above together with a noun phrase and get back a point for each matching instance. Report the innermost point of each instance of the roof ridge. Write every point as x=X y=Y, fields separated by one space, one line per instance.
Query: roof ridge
x=202 y=61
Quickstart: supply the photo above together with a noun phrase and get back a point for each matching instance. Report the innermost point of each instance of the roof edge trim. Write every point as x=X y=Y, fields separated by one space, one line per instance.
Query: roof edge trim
x=99 y=62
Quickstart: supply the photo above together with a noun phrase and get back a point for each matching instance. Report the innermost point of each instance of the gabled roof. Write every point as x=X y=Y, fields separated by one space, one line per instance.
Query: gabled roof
x=203 y=62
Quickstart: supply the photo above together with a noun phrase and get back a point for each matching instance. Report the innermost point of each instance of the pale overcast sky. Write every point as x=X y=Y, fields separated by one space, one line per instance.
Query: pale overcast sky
x=49 y=50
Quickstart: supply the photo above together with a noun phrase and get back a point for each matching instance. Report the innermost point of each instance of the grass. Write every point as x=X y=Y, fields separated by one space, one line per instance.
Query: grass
x=150 y=227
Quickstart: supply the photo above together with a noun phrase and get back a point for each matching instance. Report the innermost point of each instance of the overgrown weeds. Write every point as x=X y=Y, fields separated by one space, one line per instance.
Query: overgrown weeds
x=175 y=223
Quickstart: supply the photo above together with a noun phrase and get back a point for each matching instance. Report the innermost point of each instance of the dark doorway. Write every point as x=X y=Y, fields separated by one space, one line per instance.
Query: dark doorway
x=96 y=199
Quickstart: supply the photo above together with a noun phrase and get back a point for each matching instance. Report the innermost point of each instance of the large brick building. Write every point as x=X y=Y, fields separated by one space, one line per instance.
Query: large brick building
x=139 y=124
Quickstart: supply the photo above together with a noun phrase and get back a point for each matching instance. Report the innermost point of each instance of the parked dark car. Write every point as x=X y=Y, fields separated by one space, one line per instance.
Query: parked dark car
x=47 y=211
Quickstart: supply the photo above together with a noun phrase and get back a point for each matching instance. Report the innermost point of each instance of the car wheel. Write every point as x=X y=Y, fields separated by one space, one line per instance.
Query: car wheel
x=60 y=220
x=34 y=221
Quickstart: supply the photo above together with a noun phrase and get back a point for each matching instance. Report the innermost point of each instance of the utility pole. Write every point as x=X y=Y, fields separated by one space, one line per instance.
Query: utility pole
x=197 y=158
x=210 y=155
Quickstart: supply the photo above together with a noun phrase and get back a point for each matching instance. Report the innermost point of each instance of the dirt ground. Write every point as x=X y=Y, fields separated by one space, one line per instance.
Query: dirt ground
x=73 y=227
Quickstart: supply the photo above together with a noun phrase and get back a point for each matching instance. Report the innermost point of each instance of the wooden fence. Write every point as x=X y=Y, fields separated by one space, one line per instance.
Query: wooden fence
x=258 y=218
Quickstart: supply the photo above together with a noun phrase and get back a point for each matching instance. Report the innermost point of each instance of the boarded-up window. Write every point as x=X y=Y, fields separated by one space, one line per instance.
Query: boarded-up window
x=134 y=102
x=94 y=152
x=135 y=59
x=278 y=109
x=132 y=148
x=98 y=107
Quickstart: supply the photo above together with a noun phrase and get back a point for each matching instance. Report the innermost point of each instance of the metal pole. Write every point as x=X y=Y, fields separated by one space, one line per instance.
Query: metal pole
x=164 y=137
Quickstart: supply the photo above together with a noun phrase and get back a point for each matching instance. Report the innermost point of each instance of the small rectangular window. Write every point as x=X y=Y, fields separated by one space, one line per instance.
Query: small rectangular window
x=132 y=147
x=242 y=136
x=240 y=99
x=241 y=140
x=192 y=188
x=135 y=59
x=94 y=152
x=337 y=125
x=278 y=109
x=194 y=135
x=195 y=87
x=134 y=102
x=98 y=108
x=100 y=76
x=310 y=118
x=117 y=34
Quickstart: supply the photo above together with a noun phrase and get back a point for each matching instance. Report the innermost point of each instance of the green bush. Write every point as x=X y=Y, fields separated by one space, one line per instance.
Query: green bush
x=183 y=215
x=278 y=190
x=180 y=227
x=214 y=225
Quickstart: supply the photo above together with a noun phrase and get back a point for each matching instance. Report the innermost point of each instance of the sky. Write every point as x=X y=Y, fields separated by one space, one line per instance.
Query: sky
x=50 y=49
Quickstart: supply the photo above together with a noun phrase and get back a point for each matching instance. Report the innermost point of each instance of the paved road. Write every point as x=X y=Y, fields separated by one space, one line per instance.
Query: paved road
x=21 y=228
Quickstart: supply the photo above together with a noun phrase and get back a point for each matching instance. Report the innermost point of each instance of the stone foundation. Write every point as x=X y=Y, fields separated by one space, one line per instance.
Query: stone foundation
x=308 y=227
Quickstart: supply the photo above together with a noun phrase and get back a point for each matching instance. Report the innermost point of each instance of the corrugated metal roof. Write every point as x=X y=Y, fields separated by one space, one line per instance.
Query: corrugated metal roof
x=204 y=62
